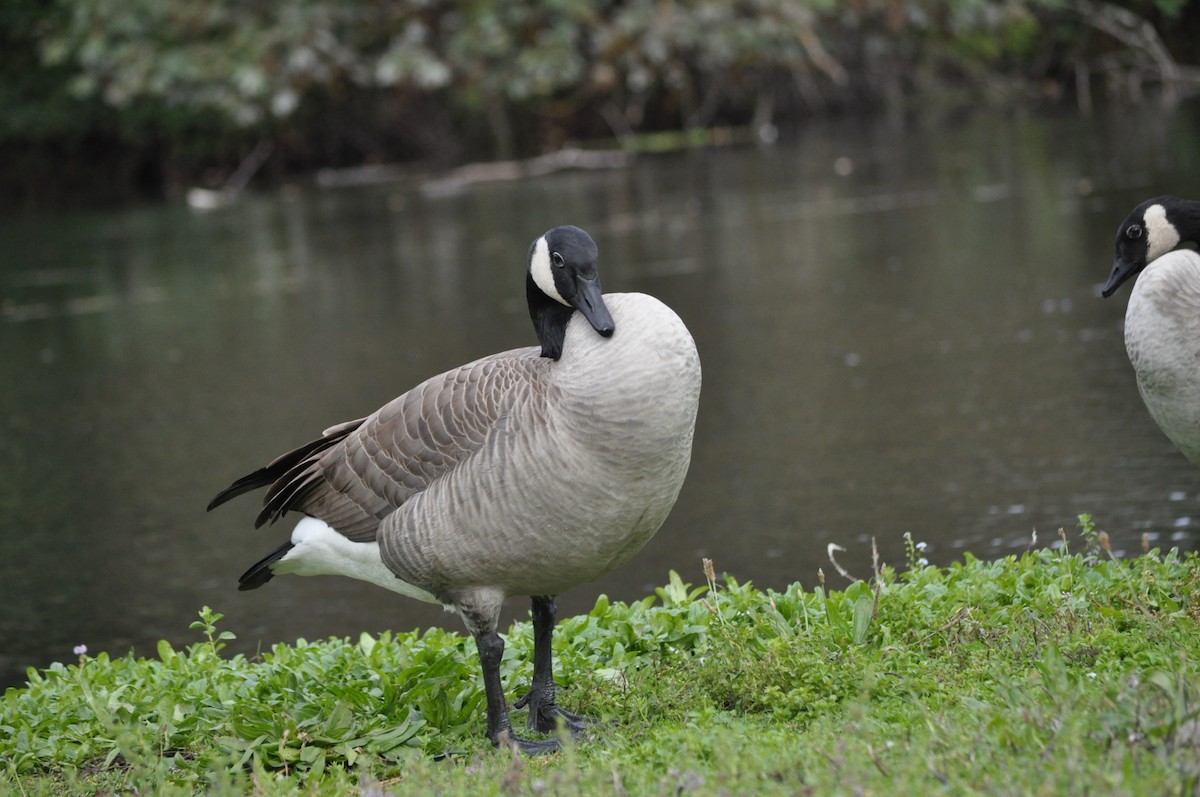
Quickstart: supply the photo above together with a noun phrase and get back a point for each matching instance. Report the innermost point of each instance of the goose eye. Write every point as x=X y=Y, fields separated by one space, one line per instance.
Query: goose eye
x=558 y=259
x=1133 y=231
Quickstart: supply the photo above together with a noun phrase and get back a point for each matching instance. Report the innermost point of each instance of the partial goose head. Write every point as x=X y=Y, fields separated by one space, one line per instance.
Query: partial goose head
x=562 y=279
x=1152 y=229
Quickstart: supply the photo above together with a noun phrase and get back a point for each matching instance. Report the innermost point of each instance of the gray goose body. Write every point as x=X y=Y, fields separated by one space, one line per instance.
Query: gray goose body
x=1162 y=337
x=516 y=474
x=1162 y=319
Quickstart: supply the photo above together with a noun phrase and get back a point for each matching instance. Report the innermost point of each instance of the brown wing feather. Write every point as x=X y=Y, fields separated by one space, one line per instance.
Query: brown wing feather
x=361 y=471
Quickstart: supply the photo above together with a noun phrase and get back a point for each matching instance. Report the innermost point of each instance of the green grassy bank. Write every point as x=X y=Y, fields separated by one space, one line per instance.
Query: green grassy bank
x=1054 y=672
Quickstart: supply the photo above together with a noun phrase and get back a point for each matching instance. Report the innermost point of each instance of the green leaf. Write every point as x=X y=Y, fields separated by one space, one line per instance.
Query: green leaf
x=863 y=608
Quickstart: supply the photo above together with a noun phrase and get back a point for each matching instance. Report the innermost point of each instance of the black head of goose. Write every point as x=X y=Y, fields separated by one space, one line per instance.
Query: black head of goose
x=1162 y=320
x=522 y=473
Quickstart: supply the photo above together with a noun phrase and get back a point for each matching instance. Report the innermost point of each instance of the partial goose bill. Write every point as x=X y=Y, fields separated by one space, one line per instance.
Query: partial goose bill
x=587 y=300
x=1122 y=270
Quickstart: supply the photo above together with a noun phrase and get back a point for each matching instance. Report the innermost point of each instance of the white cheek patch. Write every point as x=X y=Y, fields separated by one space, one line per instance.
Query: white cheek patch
x=539 y=269
x=1161 y=235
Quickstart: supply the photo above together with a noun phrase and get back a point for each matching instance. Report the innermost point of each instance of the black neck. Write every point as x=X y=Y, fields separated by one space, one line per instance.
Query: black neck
x=1187 y=221
x=550 y=319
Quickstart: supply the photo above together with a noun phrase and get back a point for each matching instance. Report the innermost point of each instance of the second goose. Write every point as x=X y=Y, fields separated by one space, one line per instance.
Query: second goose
x=1162 y=320
x=522 y=473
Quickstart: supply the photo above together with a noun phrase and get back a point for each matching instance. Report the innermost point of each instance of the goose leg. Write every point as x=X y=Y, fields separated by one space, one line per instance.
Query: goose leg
x=544 y=713
x=499 y=728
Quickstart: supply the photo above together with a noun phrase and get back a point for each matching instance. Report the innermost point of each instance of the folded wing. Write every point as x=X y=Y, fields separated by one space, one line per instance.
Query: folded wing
x=359 y=472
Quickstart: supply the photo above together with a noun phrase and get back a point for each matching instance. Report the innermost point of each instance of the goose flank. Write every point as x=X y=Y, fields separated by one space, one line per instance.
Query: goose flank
x=523 y=473
x=1162 y=319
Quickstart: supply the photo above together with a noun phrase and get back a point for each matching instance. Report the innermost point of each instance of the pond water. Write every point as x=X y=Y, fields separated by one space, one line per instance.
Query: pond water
x=899 y=323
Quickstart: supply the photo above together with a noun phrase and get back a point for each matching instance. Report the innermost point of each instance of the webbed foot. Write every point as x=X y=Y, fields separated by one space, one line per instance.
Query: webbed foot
x=545 y=715
x=527 y=746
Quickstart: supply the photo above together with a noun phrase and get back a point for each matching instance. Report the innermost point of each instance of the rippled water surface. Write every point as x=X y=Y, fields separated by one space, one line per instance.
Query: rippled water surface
x=899 y=325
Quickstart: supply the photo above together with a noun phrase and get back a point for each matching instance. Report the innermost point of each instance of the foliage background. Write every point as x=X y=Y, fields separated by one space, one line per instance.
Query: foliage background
x=119 y=97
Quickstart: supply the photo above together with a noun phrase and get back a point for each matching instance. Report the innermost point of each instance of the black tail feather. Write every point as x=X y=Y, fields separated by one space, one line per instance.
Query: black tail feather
x=284 y=464
x=260 y=572
x=260 y=478
x=286 y=491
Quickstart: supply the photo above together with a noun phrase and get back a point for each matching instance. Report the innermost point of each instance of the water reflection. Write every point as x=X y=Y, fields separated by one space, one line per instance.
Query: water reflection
x=899 y=330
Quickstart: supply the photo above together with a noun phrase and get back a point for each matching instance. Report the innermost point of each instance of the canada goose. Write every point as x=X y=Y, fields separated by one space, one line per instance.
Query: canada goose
x=1162 y=321
x=521 y=473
